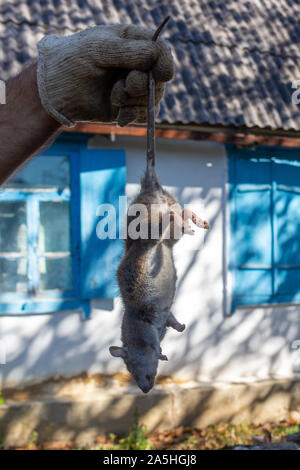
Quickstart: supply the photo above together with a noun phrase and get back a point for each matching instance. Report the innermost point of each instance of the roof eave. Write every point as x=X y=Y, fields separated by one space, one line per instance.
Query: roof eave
x=242 y=136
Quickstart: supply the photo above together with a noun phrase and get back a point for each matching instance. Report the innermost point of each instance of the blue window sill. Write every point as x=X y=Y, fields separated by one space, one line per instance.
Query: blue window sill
x=49 y=306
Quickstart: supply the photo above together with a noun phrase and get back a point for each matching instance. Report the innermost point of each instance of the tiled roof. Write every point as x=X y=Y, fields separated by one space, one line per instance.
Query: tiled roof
x=235 y=59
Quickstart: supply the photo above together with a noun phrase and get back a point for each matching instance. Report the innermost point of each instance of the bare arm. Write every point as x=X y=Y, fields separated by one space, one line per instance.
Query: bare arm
x=24 y=124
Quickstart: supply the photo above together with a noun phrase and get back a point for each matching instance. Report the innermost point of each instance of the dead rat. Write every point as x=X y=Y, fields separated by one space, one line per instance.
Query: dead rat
x=147 y=274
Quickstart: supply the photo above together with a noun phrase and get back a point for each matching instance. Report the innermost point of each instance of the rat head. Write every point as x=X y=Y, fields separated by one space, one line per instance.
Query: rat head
x=141 y=362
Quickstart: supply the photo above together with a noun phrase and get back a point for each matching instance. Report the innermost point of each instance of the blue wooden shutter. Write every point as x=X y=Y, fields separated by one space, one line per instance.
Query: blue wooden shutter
x=265 y=228
x=286 y=181
x=102 y=181
x=251 y=222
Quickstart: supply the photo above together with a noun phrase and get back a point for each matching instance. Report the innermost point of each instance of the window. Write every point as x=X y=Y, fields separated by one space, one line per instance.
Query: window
x=265 y=225
x=50 y=256
x=35 y=238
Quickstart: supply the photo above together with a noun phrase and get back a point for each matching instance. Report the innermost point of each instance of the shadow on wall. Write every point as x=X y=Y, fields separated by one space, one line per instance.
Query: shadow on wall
x=212 y=346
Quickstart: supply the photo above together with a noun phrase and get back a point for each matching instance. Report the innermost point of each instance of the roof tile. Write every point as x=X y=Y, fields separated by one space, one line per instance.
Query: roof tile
x=235 y=60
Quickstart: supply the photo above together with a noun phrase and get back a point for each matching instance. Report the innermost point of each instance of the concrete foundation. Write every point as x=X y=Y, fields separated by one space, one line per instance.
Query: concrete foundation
x=81 y=408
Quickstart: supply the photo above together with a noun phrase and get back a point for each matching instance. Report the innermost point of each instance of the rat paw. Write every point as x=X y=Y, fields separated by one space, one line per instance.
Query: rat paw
x=163 y=357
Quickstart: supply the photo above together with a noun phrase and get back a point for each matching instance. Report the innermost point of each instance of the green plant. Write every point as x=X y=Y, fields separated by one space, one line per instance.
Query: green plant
x=137 y=437
x=191 y=441
x=33 y=438
x=1 y=399
x=112 y=437
x=286 y=430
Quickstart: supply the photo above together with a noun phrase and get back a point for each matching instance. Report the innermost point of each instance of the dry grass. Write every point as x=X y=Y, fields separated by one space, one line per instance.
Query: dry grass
x=183 y=438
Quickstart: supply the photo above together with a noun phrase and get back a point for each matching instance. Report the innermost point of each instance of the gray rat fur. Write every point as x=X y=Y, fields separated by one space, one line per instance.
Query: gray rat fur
x=147 y=280
x=147 y=275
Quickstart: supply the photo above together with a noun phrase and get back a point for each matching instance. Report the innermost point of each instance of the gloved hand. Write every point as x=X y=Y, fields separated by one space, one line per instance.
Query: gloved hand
x=99 y=74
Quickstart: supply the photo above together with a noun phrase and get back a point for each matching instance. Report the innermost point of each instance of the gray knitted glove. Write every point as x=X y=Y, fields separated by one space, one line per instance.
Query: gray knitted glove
x=99 y=74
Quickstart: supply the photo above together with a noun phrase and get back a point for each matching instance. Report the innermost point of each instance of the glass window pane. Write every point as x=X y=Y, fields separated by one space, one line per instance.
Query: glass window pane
x=13 y=227
x=54 y=232
x=42 y=172
x=13 y=275
x=55 y=273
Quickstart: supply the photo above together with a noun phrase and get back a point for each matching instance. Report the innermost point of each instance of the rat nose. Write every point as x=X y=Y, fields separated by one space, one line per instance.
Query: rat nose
x=150 y=379
x=147 y=384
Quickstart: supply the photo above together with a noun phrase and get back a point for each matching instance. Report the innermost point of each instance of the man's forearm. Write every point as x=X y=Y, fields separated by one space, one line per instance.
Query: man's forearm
x=25 y=127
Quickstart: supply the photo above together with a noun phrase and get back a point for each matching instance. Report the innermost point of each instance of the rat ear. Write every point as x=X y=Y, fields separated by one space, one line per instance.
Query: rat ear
x=117 y=351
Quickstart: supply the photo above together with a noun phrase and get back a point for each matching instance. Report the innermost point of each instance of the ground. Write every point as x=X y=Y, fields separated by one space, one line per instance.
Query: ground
x=183 y=438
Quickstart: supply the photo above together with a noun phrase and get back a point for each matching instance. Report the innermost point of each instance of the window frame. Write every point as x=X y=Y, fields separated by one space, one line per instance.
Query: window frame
x=251 y=300
x=54 y=300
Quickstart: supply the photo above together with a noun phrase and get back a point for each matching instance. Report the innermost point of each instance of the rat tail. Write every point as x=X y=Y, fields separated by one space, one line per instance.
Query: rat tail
x=150 y=180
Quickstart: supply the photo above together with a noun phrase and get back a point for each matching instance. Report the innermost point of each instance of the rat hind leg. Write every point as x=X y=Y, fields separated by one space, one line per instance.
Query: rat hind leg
x=171 y=321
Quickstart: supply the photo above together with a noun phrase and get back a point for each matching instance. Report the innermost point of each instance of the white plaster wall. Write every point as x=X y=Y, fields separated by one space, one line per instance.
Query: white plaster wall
x=251 y=344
